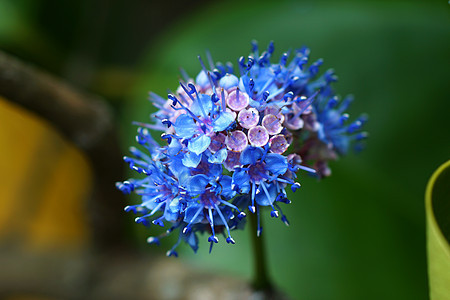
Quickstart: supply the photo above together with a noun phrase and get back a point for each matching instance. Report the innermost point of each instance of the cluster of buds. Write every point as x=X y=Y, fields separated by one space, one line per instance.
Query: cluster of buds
x=234 y=142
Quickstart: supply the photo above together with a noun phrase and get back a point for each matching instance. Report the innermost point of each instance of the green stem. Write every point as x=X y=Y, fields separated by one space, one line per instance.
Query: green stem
x=261 y=279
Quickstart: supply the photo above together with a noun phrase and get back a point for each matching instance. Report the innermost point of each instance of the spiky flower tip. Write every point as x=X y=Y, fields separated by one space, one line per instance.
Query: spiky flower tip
x=227 y=136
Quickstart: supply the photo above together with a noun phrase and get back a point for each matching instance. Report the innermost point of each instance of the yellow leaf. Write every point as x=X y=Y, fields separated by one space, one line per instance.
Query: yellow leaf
x=437 y=205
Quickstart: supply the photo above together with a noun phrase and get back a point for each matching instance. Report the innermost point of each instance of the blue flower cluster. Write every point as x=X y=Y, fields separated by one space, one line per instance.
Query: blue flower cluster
x=227 y=134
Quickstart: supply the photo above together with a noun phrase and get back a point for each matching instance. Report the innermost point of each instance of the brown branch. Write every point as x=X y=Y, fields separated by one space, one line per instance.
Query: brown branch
x=85 y=120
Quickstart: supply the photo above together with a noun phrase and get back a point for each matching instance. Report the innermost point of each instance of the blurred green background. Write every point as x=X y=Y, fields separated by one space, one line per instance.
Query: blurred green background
x=359 y=234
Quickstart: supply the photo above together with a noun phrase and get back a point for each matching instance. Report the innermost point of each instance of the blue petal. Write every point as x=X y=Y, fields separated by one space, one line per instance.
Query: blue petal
x=192 y=239
x=202 y=105
x=244 y=84
x=185 y=126
x=223 y=121
x=242 y=180
x=172 y=210
x=262 y=199
x=255 y=104
x=227 y=192
x=184 y=177
x=251 y=155
x=200 y=144
x=174 y=147
x=190 y=212
x=177 y=168
x=174 y=205
x=197 y=184
x=215 y=170
x=218 y=157
x=276 y=163
x=202 y=79
x=229 y=81
x=191 y=160
x=227 y=214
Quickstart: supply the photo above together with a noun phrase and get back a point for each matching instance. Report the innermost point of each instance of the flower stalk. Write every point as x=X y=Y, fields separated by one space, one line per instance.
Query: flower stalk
x=261 y=279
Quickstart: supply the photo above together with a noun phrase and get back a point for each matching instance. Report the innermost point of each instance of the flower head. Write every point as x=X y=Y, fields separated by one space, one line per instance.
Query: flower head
x=227 y=142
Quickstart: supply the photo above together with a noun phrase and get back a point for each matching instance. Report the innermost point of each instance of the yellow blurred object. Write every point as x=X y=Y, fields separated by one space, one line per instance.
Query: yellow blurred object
x=45 y=182
x=437 y=199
